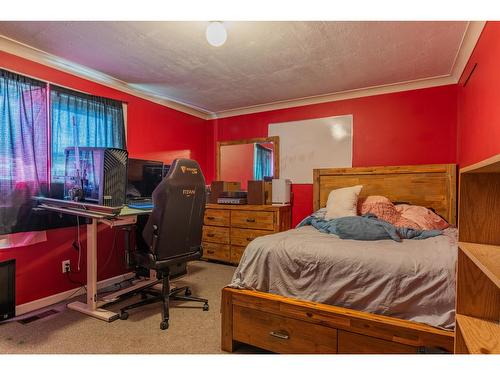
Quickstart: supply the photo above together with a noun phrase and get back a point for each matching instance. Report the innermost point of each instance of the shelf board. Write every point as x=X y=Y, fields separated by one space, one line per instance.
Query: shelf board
x=490 y=165
x=480 y=336
x=486 y=257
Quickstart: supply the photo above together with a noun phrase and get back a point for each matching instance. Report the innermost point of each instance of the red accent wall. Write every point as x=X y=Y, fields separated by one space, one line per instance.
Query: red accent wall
x=410 y=127
x=479 y=100
x=153 y=132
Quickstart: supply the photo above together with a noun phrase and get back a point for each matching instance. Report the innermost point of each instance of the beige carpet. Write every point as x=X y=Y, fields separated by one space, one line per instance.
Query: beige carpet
x=191 y=329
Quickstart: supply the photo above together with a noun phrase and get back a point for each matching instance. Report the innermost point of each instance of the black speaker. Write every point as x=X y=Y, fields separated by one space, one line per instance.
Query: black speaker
x=7 y=289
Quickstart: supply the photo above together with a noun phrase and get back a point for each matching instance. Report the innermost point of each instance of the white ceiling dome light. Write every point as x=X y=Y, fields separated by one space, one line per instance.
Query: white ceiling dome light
x=216 y=34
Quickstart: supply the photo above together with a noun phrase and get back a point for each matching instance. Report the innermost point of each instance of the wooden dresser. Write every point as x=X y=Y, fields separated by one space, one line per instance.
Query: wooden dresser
x=478 y=271
x=228 y=229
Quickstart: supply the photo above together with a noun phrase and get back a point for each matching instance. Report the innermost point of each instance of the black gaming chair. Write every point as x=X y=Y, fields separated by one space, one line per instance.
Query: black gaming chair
x=172 y=234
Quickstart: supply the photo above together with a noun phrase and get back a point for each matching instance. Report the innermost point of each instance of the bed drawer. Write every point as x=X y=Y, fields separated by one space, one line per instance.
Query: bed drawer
x=236 y=253
x=353 y=343
x=215 y=234
x=280 y=334
x=253 y=219
x=242 y=237
x=216 y=251
x=217 y=217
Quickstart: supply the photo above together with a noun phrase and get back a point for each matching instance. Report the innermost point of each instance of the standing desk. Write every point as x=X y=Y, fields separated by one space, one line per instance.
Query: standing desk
x=127 y=216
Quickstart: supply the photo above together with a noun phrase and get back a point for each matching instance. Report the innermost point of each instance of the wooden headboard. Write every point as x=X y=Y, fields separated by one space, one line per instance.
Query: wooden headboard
x=431 y=185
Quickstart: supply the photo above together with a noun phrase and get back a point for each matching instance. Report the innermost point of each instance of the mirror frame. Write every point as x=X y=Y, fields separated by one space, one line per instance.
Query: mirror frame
x=276 y=152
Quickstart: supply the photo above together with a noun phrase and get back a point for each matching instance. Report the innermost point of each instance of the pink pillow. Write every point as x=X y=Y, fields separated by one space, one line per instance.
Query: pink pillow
x=385 y=210
x=424 y=217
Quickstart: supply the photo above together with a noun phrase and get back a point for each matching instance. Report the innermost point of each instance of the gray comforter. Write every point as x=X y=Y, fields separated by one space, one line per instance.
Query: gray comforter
x=412 y=280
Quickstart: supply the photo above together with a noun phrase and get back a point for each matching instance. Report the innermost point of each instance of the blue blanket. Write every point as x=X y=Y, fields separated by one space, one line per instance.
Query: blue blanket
x=365 y=228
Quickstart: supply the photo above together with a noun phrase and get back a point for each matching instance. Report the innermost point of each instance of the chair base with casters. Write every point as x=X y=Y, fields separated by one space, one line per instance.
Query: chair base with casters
x=163 y=296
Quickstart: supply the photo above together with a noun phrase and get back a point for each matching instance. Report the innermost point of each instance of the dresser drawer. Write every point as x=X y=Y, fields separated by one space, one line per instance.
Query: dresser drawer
x=236 y=253
x=280 y=334
x=217 y=217
x=253 y=219
x=215 y=234
x=216 y=251
x=353 y=343
x=242 y=237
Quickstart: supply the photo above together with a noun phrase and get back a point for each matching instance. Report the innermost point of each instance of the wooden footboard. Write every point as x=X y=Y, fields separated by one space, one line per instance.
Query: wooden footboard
x=287 y=325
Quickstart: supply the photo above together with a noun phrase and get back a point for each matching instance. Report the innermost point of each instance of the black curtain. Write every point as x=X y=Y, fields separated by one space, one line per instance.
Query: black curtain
x=23 y=149
x=89 y=121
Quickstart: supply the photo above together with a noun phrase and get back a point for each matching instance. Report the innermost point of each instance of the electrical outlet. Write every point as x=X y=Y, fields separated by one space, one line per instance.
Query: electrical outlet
x=66 y=266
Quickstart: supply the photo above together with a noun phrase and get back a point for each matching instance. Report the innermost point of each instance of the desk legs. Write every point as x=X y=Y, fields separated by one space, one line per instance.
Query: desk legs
x=92 y=264
x=91 y=307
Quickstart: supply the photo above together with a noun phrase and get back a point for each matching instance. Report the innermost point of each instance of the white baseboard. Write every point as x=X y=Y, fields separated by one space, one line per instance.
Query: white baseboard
x=60 y=297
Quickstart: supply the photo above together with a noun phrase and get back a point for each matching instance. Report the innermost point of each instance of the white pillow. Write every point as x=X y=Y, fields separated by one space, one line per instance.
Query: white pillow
x=342 y=202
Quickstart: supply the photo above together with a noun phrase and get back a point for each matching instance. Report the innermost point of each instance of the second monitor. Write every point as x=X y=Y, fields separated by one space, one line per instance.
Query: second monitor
x=143 y=177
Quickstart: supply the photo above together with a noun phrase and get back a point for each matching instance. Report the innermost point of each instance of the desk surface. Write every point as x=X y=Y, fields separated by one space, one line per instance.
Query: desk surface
x=67 y=207
x=127 y=211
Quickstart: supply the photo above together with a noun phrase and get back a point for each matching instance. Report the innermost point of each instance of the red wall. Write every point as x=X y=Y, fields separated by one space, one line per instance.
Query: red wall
x=479 y=100
x=411 y=127
x=153 y=131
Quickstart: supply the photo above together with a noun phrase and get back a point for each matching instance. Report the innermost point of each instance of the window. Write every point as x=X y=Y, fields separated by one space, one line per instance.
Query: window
x=83 y=120
x=28 y=166
x=262 y=162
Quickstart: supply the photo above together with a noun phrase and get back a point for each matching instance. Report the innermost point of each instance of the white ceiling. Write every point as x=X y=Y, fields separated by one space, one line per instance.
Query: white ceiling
x=261 y=62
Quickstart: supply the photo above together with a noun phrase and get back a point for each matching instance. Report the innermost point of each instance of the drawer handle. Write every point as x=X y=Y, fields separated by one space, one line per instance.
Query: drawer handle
x=249 y=239
x=210 y=218
x=250 y=220
x=210 y=235
x=210 y=252
x=283 y=335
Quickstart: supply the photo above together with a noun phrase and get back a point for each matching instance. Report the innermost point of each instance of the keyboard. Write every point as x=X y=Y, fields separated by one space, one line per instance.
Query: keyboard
x=146 y=204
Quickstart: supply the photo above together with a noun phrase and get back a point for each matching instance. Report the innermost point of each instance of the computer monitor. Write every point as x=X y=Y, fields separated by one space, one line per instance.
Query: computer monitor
x=143 y=177
x=166 y=168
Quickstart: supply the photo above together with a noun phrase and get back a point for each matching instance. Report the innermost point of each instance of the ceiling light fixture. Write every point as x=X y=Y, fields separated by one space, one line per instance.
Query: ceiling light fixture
x=216 y=34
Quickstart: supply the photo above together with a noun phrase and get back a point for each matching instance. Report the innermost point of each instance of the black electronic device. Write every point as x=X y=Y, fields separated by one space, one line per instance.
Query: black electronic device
x=166 y=168
x=233 y=197
x=222 y=200
x=96 y=175
x=7 y=289
x=234 y=194
x=143 y=176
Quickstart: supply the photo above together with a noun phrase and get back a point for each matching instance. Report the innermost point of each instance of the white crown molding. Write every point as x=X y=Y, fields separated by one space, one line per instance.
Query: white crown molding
x=351 y=94
x=469 y=40
x=22 y=50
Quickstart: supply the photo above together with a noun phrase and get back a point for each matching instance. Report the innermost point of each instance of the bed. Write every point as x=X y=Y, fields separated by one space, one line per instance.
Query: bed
x=376 y=301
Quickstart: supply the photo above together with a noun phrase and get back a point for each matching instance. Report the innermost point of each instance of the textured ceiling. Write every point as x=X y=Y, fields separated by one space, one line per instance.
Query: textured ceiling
x=261 y=62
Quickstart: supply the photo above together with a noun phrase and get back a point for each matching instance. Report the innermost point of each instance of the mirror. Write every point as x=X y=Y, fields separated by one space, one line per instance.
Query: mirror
x=248 y=159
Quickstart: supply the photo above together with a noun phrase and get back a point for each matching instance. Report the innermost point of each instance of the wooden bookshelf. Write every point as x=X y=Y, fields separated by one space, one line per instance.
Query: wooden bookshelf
x=478 y=268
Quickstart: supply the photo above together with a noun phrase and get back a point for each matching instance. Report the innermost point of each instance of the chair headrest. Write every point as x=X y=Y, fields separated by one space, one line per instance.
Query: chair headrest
x=185 y=169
